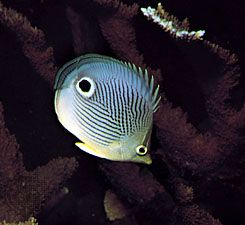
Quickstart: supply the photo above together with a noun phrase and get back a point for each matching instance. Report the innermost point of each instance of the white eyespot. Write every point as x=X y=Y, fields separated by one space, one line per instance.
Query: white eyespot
x=86 y=87
x=141 y=150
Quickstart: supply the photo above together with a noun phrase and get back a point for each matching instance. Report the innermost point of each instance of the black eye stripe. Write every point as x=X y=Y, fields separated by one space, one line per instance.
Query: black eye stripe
x=141 y=150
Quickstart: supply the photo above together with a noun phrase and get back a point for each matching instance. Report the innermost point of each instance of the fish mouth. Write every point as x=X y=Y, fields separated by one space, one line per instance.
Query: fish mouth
x=147 y=160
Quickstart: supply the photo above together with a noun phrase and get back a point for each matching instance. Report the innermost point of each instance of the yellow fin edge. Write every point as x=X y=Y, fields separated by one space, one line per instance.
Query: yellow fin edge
x=88 y=149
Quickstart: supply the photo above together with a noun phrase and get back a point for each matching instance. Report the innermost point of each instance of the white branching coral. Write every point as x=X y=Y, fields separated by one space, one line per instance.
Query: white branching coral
x=171 y=24
x=30 y=221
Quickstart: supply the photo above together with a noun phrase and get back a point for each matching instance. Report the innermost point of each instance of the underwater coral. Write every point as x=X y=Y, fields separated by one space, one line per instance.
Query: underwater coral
x=197 y=146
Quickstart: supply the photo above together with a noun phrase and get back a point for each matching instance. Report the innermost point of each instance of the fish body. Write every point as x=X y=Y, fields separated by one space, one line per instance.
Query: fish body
x=108 y=105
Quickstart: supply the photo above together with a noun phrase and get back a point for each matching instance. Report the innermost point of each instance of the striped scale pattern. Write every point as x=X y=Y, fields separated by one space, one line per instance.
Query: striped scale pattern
x=123 y=102
x=114 y=111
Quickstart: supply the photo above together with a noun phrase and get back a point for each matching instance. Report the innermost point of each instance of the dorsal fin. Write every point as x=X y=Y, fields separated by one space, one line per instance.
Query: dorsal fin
x=144 y=75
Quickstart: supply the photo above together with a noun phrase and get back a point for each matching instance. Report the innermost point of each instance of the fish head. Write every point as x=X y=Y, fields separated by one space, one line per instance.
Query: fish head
x=133 y=148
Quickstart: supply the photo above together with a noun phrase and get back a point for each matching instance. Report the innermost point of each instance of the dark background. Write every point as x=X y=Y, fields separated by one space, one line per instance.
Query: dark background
x=28 y=101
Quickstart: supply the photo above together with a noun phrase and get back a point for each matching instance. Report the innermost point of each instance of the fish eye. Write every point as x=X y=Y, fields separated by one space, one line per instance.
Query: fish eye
x=86 y=87
x=141 y=150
